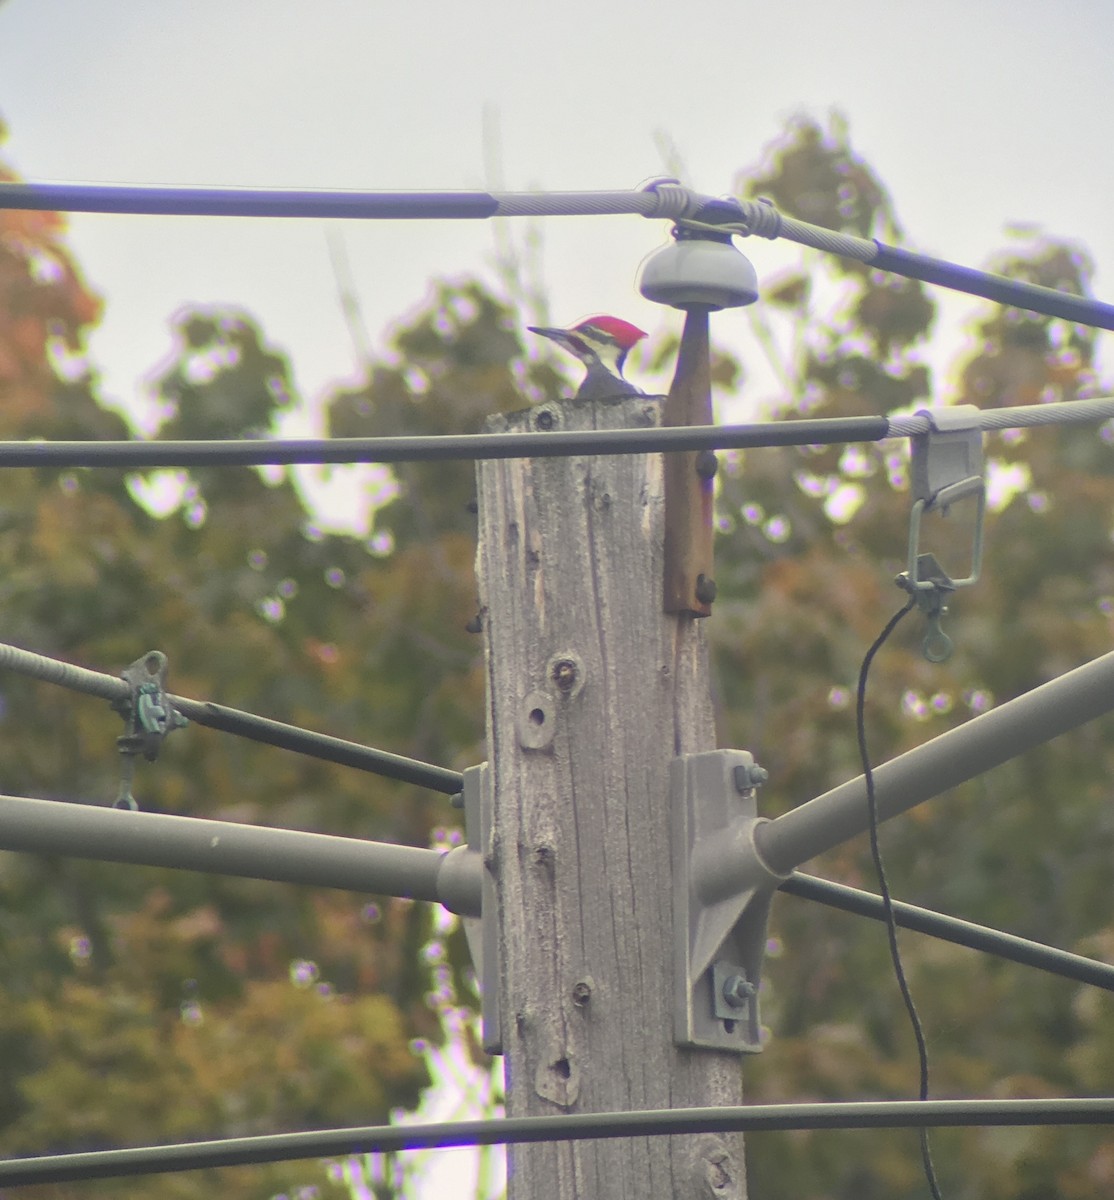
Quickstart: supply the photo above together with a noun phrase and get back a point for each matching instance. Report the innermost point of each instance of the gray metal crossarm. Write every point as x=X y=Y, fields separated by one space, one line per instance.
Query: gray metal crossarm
x=450 y=878
x=945 y=762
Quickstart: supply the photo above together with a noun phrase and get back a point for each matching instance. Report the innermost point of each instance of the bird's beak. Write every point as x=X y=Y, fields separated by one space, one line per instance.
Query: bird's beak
x=549 y=331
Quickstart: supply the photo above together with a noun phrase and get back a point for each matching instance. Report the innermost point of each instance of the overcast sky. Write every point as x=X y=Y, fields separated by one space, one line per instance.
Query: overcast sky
x=977 y=113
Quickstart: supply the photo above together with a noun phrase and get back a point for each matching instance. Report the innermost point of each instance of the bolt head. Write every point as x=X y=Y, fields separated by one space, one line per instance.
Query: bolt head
x=705 y=589
x=707 y=464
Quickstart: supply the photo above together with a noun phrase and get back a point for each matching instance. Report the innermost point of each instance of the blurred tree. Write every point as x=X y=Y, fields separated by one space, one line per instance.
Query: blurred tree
x=143 y=1005
x=132 y=1002
x=815 y=537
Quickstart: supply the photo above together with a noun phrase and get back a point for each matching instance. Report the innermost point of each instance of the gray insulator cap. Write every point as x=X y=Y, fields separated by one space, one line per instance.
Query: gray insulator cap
x=699 y=270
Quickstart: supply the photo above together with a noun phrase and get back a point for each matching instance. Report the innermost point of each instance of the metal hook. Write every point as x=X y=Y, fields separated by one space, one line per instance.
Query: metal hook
x=929 y=584
x=936 y=646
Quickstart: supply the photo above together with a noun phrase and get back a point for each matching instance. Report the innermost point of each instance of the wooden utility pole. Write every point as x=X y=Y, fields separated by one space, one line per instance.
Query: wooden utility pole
x=592 y=690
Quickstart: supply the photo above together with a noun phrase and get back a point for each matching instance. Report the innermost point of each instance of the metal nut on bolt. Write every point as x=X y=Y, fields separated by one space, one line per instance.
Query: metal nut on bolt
x=738 y=991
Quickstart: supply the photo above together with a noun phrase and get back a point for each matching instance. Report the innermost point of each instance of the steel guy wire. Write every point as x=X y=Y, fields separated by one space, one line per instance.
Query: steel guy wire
x=997 y=942
x=242 y=724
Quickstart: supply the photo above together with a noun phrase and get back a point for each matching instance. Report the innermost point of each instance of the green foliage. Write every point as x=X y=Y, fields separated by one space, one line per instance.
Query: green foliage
x=815 y=537
x=144 y=1006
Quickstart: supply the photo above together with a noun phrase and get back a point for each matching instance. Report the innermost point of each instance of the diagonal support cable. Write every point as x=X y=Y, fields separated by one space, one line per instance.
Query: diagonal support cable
x=952 y=929
x=242 y=724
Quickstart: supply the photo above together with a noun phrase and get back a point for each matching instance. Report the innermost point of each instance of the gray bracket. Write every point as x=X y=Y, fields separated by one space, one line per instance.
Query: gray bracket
x=721 y=900
x=483 y=932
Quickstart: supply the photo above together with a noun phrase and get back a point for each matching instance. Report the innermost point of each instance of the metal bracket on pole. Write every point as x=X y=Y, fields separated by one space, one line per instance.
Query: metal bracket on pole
x=483 y=932
x=721 y=900
x=947 y=466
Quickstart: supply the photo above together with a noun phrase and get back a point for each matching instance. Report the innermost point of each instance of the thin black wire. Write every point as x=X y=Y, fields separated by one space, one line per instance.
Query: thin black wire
x=884 y=886
x=565 y=1127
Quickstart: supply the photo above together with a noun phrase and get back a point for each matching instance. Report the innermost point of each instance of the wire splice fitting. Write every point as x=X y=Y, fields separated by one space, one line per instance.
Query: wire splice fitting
x=149 y=716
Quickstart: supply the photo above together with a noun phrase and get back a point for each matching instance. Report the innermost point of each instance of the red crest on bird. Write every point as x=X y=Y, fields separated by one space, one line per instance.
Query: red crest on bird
x=622 y=331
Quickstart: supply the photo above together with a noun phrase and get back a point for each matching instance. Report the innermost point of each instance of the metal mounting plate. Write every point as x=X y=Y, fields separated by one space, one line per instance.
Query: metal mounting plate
x=719 y=914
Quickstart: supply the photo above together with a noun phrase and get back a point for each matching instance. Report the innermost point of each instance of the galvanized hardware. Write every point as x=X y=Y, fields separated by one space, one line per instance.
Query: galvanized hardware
x=750 y=777
x=483 y=932
x=947 y=467
x=149 y=716
x=705 y=590
x=932 y=589
x=731 y=991
x=707 y=464
x=721 y=899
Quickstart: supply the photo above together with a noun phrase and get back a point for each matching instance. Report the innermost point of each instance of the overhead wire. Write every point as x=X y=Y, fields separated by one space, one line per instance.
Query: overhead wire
x=665 y=199
x=554 y=443
x=566 y=1127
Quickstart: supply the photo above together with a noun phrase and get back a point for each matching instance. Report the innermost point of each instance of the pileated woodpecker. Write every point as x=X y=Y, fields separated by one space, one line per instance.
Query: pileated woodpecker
x=602 y=344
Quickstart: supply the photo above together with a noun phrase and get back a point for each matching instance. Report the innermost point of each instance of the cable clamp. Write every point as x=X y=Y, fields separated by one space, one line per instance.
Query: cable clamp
x=947 y=466
x=149 y=716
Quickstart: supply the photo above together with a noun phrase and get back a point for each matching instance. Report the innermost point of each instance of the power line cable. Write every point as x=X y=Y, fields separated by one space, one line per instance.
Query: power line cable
x=884 y=887
x=250 y=452
x=254 y=452
x=242 y=724
x=377 y=1139
x=666 y=200
x=663 y=199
